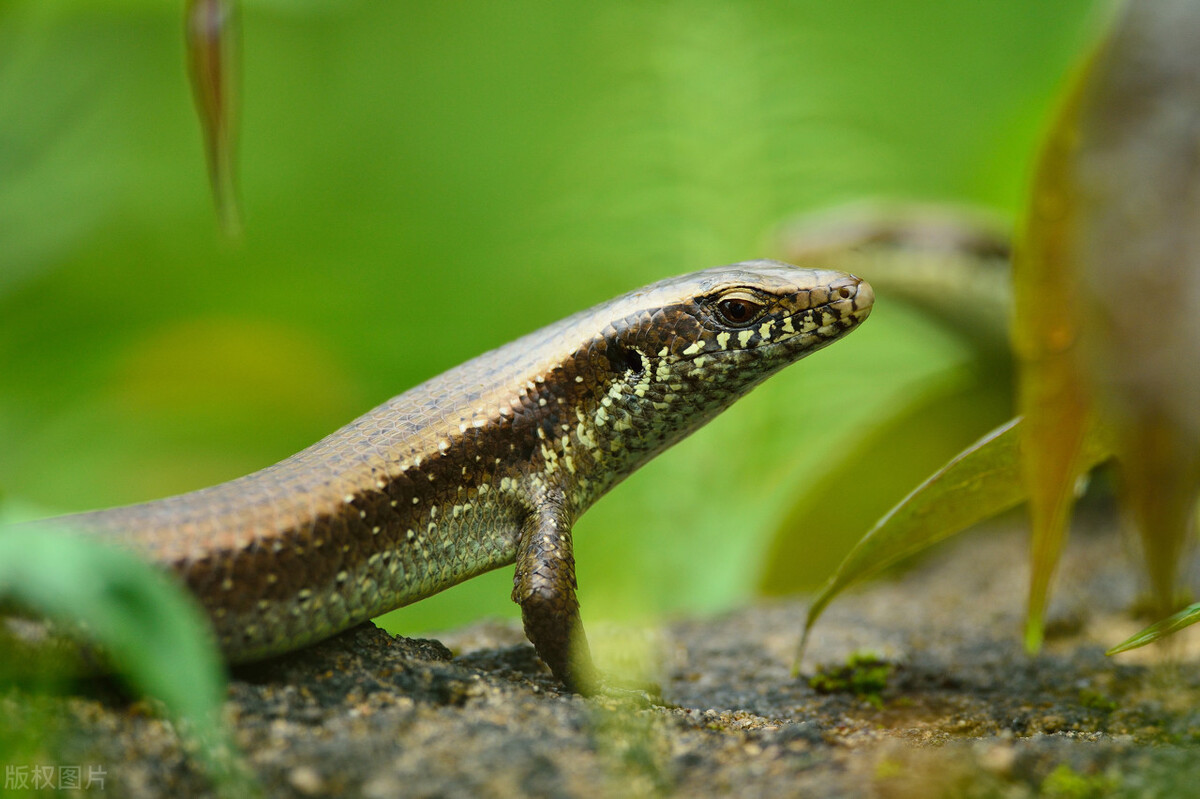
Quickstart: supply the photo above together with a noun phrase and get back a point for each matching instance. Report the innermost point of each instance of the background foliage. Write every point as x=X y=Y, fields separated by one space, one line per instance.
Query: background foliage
x=421 y=182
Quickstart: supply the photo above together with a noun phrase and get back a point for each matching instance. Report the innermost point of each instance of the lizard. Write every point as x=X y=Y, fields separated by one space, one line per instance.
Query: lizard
x=483 y=466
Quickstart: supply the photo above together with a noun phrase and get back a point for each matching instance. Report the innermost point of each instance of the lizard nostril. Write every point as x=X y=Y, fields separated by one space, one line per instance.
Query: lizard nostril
x=845 y=292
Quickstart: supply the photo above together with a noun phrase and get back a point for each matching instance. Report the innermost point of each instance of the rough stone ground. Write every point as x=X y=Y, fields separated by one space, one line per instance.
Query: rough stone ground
x=964 y=712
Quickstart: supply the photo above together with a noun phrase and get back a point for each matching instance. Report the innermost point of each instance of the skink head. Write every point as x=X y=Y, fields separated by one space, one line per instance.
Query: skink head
x=634 y=375
x=759 y=315
x=675 y=353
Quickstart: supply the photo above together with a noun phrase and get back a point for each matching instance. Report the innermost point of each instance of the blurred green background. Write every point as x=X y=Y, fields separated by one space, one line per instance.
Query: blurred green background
x=421 y=182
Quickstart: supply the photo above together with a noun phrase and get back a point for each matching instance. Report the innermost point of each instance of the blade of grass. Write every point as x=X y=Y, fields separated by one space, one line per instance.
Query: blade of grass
x=980 y=482
x=1160 y=629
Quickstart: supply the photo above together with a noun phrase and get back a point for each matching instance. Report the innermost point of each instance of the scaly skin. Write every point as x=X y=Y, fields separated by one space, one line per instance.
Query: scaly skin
x=483 y=466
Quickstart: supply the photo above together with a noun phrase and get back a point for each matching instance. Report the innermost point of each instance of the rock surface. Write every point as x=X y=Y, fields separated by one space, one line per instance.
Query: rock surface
x=960 y=710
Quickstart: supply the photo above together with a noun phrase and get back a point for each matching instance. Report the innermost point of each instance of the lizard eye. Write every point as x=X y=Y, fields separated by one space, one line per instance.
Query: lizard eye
x=738 y=310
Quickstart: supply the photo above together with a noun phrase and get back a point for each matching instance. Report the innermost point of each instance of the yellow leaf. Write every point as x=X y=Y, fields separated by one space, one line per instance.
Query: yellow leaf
x=1137 y=178
x=1051 y=392
x=212 y=46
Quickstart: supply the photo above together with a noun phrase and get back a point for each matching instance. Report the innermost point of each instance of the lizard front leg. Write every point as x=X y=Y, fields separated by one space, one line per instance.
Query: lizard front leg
x=544 y=587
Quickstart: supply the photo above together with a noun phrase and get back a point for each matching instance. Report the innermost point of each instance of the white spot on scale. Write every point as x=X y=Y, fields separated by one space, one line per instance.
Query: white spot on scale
x=744 y=337
x=578 y=379
x=541 y=402
x=663 y=352
x=700 y=360
x=723 y=340
x=584 y=435
x=349 y=499
x=462 y=428
x=416 y=500
x=693 y=348
x=764 y=331
x=443 y=445
x=787 y=325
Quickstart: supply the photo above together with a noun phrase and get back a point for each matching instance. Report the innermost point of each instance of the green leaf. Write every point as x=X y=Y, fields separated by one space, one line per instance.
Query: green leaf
x=150 y=631
x=980 y=482
x=1186 y=617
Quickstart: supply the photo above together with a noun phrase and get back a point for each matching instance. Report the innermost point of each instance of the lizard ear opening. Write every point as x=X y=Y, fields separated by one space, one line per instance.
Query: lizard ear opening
x=634 y=362
x=625 y=359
